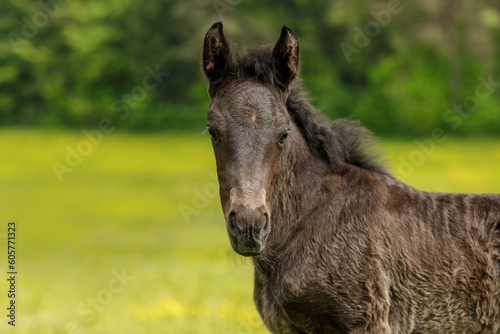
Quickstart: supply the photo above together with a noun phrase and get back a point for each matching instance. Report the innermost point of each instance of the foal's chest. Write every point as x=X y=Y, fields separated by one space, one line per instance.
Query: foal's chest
x=285 y=309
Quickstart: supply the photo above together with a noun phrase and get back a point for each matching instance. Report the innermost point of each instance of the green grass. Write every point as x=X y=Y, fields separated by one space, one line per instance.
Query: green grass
x=120 y=209
x=457 y=165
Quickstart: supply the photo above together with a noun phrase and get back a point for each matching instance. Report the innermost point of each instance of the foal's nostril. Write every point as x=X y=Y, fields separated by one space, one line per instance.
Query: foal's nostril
x=266 y=226
x=233 y=230
x=245 y=223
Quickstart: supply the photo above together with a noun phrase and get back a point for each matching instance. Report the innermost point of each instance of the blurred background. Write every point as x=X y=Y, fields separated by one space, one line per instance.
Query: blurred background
x=115 y=194
x=396 y=65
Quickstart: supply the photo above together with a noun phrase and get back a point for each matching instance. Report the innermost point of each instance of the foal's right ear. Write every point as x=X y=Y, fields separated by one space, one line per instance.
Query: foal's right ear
x=216 y=53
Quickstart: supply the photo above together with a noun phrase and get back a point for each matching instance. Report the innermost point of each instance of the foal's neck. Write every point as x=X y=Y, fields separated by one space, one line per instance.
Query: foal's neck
x=298 y=185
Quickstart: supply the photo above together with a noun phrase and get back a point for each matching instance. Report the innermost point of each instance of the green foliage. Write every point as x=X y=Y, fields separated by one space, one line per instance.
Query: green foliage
x=73 y=63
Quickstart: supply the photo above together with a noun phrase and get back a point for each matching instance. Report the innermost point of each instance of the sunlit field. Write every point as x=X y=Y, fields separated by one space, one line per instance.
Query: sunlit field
x=131 y=239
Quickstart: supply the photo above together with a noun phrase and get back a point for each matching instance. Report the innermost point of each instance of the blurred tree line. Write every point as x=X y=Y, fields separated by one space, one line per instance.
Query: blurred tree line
x=402 y=67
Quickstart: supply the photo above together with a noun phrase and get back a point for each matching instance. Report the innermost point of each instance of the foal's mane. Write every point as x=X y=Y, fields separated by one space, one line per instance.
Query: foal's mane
x=340 y=142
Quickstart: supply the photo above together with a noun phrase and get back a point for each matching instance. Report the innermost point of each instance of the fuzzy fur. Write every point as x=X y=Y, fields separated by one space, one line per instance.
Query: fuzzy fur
x=351 y=249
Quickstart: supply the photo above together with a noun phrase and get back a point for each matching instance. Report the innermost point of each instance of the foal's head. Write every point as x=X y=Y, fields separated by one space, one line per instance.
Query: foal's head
x=249 y=124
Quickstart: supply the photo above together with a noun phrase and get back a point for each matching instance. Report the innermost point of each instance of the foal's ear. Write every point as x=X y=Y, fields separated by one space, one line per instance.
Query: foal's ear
x=216 y=53
x=286 y=55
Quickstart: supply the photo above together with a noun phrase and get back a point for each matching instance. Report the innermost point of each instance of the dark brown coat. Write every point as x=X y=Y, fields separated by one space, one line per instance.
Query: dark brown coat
x=339 y=245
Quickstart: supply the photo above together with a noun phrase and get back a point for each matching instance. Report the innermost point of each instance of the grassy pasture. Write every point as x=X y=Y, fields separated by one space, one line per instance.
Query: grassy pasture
x=133 y=239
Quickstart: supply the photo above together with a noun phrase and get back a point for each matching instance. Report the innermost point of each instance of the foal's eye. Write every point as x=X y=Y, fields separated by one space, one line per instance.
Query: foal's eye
x=213 y=134
x=283 y=137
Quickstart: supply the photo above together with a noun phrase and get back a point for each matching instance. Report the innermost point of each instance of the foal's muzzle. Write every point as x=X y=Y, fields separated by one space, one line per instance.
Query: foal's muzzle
x=248 y=229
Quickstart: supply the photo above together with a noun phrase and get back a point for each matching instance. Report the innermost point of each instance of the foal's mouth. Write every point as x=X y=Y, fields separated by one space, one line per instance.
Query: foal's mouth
x=247 y=246
x=248 y=254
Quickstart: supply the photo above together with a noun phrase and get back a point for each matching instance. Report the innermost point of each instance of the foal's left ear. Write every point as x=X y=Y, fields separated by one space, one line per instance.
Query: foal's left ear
x=286 y=55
